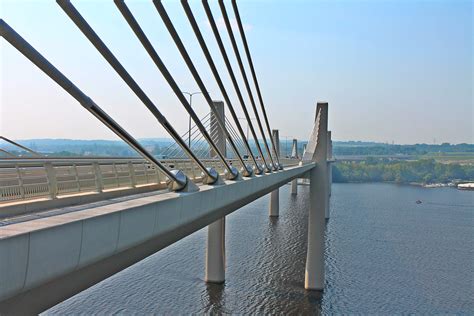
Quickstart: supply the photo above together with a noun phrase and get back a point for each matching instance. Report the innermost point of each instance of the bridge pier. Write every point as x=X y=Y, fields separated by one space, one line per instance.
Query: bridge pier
x=294 y=186
x=318 y=188
x=215 y=250
x=274 y=205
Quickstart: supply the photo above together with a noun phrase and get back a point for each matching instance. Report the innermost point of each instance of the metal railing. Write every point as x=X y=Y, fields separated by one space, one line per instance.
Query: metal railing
x=50 y=178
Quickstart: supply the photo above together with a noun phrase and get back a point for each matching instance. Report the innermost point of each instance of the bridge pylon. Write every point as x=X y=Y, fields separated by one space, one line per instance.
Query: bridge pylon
x=317 y=151
x=274 y=206
x=330 y=161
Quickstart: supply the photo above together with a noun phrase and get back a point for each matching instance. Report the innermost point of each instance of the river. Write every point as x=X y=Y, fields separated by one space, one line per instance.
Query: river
x=385 y=254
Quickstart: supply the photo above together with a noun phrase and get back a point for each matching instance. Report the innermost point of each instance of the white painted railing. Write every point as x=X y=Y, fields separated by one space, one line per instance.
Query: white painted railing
x=50 y=178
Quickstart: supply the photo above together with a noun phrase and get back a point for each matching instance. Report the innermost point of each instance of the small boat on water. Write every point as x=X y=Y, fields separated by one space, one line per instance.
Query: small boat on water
x=466 y=186
x=418 y=202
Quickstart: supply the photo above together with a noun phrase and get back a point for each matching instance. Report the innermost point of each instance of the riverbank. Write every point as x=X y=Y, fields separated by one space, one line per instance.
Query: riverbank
x=420 y=172
x=454 y=185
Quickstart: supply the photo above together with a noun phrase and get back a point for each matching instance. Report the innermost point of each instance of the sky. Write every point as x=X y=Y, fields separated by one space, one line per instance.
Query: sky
x=392 y=71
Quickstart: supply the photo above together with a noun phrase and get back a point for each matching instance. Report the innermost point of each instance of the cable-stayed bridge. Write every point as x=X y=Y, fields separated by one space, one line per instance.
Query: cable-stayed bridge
x=68 y=223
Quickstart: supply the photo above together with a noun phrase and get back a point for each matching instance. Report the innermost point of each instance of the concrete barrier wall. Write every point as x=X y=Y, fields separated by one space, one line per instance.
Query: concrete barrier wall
x=45 y=250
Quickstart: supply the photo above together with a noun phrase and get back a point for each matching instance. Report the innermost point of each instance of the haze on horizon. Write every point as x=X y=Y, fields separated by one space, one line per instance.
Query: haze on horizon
x=391 y=70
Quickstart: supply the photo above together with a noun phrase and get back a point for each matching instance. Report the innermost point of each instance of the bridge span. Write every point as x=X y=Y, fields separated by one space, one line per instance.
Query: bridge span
x=67 y=224
x=50 y=258
x=47 y=257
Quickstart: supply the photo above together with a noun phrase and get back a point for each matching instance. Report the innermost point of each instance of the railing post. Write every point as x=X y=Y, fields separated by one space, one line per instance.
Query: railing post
x=20 y=181
x=52 y=182
x=274 y=206
x=314 y=276
x=215 y=251
x=74 y=166
x=158 y=176
x=131 y=171
x=99 y=182
x=117 y=178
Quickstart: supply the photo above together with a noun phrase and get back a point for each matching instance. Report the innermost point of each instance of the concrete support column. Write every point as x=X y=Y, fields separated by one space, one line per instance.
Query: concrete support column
x=314 y=276
x=274 y=206
x=294 y=186
x=215 y=251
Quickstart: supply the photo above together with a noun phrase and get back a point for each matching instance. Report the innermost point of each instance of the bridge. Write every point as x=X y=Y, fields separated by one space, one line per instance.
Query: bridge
x=69 y=223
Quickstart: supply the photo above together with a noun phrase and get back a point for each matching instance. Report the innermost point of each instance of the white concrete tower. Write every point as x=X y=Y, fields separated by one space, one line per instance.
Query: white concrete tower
x=274 y=206
x=294 y=155
x=294 y=149
x=317 y=152
x=329 y=175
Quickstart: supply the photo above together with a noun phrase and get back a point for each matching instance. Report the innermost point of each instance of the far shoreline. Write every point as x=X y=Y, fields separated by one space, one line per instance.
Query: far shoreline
x=414 y=184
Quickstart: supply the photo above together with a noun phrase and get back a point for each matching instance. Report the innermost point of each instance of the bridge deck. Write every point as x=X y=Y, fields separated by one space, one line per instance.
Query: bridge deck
x=32 y=184
x=53 y=257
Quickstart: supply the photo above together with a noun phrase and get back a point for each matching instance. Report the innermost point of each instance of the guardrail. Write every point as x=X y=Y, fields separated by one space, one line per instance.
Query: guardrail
x=50 y=178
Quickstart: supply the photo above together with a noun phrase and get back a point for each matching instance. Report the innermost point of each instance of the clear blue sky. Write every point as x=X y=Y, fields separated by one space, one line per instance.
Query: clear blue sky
x=391 y=70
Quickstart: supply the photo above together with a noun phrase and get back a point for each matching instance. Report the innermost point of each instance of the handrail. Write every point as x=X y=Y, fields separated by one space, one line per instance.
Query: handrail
x=87 y=160
x=33 y=178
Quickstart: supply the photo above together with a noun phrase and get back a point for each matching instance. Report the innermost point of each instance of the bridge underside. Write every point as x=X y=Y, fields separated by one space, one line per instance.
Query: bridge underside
x=51 y=259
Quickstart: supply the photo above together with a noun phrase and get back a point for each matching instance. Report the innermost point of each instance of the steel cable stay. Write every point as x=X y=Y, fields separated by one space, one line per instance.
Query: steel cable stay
x=128 y=16
x=239 y=142
x=238 y=139
x=189 y=63
x=207 y=54
x=198 y=143
x=7 y=154
x=211 y=175
x=177 y=179
x=235 y=84
x=202 y=146
x=172 y=150
x=254 y=76
x=244 y=76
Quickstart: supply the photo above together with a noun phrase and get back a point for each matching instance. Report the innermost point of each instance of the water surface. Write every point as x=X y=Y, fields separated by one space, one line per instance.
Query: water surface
x=385 y=254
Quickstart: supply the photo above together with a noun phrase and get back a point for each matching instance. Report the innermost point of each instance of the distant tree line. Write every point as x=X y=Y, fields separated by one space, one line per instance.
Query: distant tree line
x=420 y=171
x=414 y=150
